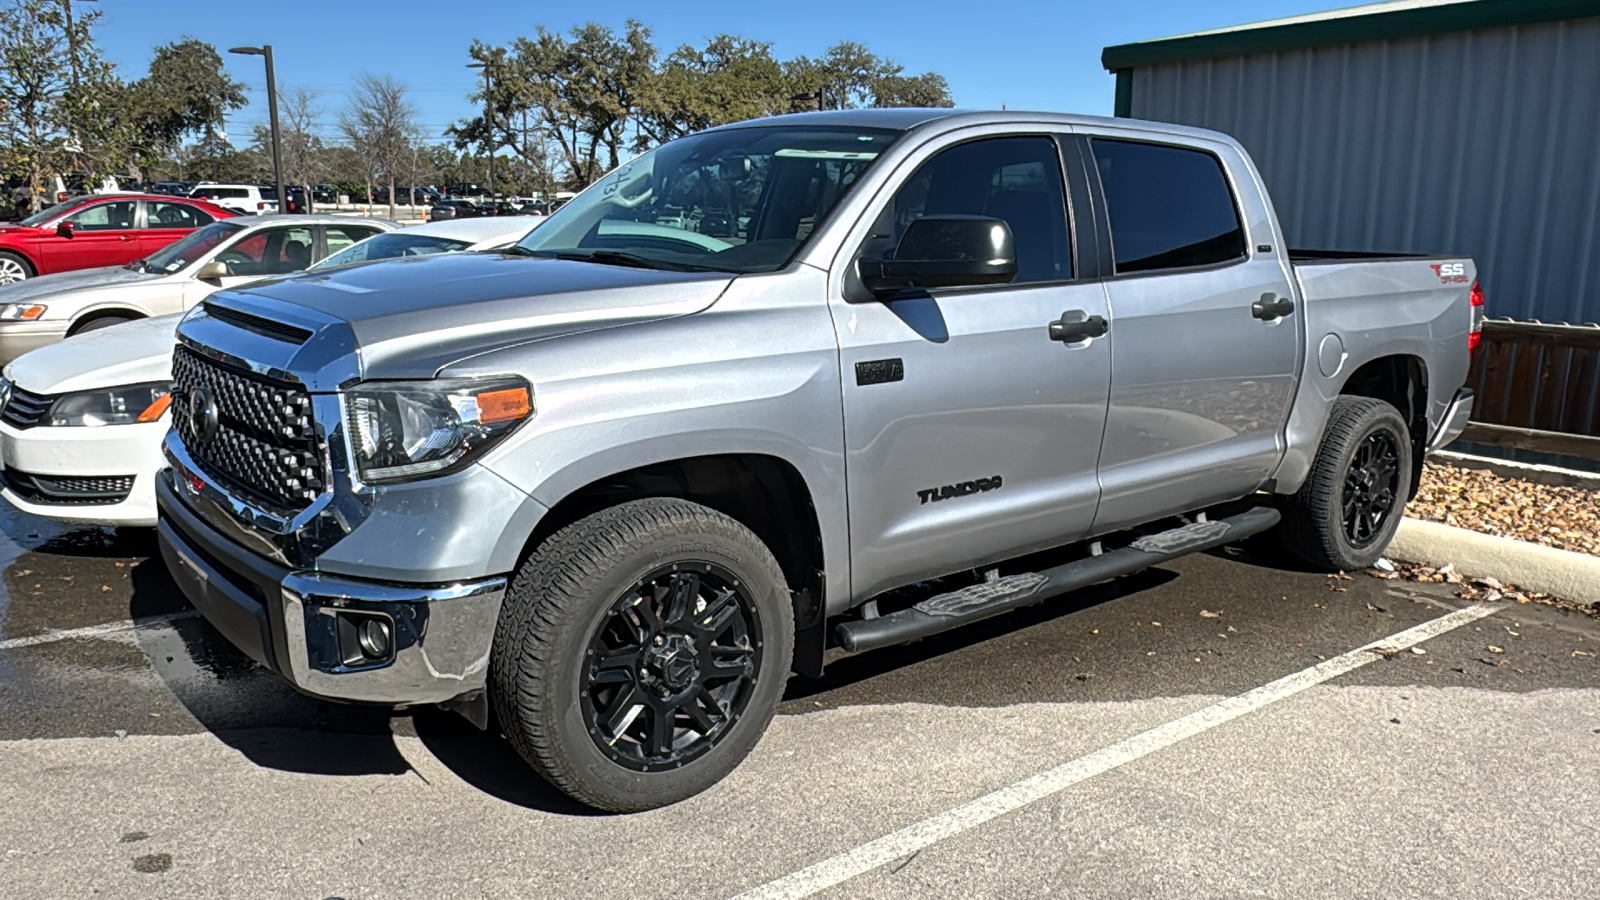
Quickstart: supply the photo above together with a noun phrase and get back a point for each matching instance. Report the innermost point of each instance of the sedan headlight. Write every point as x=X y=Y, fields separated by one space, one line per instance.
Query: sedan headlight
x=113 y=406
x=21 y=312
x=402 y=430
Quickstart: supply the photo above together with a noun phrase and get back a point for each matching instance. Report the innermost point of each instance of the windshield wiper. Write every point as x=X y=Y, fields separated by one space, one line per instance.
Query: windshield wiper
x=519 y=250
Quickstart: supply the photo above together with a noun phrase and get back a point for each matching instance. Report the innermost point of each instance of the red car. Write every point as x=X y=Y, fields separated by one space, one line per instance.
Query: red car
x=98 y=230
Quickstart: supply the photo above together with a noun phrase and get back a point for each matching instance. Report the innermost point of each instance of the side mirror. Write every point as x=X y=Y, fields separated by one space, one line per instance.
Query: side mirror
x=64 y=230
x=215 y=270
x=945 y=251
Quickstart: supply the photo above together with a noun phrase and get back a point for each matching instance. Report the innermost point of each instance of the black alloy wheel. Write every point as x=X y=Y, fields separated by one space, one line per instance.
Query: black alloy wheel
x=1370 y=488
x=671 y=667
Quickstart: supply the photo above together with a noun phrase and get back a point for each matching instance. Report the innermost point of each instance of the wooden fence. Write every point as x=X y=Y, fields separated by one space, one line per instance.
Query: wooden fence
x=1538 y=388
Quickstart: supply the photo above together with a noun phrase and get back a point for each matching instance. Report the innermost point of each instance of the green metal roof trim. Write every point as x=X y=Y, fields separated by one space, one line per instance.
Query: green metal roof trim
x=1387 y=21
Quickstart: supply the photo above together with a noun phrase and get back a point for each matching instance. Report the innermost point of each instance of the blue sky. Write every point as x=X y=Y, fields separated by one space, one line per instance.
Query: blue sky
x=1026 y=55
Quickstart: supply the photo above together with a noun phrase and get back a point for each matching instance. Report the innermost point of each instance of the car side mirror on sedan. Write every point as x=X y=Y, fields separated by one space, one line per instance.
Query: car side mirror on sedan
x=944 y=251
x=215 y=270
x=64 y=230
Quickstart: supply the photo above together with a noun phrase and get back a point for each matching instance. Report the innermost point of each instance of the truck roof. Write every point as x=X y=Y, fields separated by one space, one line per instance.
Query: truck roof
x=905 y=119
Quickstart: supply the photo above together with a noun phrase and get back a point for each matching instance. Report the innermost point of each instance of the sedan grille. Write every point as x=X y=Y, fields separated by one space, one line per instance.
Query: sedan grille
x=26 y=409
x=69 y=490
x=262 y=442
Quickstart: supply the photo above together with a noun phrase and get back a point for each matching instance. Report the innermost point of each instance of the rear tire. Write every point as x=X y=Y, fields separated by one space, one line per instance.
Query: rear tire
x=604 y=673
x=1347 y=511
x=14 y=268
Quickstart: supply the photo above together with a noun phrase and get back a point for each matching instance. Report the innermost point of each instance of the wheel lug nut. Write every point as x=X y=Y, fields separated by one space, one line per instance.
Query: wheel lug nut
x=644 y=673
x=658 y=640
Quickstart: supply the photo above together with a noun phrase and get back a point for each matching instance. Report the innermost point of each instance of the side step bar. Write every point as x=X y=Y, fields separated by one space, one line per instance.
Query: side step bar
x=980 y=601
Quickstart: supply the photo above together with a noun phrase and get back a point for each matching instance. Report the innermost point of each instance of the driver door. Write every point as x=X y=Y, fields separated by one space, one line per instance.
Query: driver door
x=970 y=434
x=103 y=234
x=260 y=254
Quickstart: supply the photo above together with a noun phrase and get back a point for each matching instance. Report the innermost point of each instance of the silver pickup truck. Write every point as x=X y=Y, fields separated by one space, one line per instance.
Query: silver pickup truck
x=805 y=385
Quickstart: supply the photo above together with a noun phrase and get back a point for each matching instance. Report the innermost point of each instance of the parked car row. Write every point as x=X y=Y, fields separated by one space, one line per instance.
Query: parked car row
x=63 y=459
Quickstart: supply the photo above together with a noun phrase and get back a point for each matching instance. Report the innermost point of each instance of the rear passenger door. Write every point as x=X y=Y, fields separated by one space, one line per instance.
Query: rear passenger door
x=1200 y=382
x=166 y=221
x=338 y=237
x=971 y=435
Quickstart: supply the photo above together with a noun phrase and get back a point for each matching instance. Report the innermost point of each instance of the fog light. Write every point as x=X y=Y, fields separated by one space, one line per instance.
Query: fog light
x=373 y=636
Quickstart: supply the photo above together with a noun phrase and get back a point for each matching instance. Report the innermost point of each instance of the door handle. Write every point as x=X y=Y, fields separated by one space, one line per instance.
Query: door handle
x=1077 y=325
x=1271 y=306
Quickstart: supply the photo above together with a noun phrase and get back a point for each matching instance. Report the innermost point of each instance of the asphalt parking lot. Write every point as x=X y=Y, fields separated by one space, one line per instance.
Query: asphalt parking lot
x=1210 y=729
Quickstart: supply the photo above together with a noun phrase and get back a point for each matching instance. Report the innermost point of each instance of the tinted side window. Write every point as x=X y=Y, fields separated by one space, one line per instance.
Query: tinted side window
x=342 y=236
x=161 y=214
x=1170 y=207
x=1017 y=179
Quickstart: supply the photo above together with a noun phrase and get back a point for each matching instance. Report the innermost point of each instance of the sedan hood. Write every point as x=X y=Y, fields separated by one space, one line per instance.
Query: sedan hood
x=411 y=317
x=130 y=353
x=42 y=286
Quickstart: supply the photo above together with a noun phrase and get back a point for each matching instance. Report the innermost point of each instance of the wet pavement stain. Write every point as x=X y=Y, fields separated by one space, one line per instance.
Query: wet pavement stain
x=153 y=863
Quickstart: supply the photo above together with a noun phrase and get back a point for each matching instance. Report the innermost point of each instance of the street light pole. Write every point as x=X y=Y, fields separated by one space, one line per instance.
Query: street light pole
x=488 y=114
x=272 y=116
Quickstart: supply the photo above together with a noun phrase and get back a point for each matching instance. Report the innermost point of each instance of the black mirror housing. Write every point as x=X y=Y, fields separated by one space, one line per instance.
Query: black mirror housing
x=945 y=251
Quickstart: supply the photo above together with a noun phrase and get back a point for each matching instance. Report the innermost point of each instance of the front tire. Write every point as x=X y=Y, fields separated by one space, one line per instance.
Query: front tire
x=1347 y=511
x=14 y=268
x=641 y=653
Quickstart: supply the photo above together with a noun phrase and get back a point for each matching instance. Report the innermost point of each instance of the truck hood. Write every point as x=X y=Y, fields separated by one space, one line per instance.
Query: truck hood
x=41 y=287
x=412 y=317
x=130 y=353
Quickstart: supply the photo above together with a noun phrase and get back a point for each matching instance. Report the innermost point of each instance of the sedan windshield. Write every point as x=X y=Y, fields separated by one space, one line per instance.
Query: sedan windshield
x=389 y=246
x=175 y=257
x=741 y=200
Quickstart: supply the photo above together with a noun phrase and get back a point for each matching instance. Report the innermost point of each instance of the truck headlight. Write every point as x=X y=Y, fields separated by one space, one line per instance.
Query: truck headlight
x=402 y=430
x=122 y=405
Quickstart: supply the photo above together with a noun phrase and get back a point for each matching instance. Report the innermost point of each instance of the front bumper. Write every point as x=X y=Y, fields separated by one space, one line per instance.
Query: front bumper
x=109 y=451
x=1454 y=421
x=17 y=338
x=291 y=621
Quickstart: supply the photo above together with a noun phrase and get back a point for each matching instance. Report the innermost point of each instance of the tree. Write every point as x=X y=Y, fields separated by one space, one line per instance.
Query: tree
x=299 y=147
x=569 y=105
x=32 y=82
x=730 y=79
x=381 y=124
x=577 y=95
x=186 y=92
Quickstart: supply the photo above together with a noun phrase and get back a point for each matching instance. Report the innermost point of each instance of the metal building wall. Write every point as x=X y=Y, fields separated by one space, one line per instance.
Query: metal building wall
x=1484 y=143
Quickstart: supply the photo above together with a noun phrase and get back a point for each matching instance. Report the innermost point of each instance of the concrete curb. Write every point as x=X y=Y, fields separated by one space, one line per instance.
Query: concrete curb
x=1532 y=567
x=1552 y=476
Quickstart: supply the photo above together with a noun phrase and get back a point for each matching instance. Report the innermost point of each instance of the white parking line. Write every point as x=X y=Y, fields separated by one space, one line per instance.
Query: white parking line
x=93 y=632
x=837 y=869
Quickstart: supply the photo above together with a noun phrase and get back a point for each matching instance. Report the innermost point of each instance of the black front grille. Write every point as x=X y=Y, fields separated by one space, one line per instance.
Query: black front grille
x=265 y=444
x=69 y=490
x=26 y=409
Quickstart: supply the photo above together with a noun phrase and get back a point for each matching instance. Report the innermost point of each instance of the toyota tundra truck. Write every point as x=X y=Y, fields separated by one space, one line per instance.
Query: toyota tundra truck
x=778 y=391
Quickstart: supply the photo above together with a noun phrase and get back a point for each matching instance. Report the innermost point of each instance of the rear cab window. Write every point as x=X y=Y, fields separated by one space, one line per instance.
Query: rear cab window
x=1171 y=207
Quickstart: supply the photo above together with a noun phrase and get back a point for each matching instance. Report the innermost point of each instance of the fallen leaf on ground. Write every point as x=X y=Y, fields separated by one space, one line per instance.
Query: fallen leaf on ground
x=1208 y=614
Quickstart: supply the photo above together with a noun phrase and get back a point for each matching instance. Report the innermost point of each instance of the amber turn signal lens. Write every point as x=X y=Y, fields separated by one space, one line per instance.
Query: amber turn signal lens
x=507 y=405
x=154 y=410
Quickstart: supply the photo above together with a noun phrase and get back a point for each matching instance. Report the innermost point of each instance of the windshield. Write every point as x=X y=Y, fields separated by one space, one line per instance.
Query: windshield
x=50 y=212
x=389 y=246
x=742 y=200
x=174 y=257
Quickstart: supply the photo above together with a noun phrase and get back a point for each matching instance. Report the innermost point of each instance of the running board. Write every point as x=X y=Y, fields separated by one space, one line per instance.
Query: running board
x=980 y=601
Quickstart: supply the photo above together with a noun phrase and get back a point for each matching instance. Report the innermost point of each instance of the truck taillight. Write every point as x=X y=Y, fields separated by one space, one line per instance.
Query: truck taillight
x=260 y=206
x=1477 y=318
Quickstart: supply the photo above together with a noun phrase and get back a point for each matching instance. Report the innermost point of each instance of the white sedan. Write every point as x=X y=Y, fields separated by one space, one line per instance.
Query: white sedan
x=81 y=421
